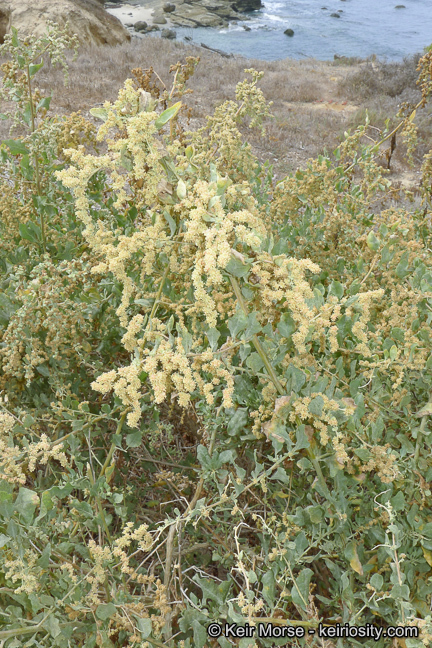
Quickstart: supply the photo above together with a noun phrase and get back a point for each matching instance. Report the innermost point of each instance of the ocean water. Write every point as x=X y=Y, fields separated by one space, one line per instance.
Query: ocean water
x=365 y=27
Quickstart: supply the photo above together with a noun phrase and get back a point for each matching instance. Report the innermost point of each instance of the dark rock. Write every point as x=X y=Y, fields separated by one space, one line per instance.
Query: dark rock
x=168 y=7
x=168 y=33
x=188 y=38
x=160 y=20
x=5 y=19
x=248 y=5
x=400 y=7
x=335 y=15
x=246 y=28
x=141 y=26
x=289 y=32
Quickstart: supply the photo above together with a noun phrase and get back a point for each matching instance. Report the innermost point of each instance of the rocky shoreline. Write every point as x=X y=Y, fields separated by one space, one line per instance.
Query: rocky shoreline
x=159 y=14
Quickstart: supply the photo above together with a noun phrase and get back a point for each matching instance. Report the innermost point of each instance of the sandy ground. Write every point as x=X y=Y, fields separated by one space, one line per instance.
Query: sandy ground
x=130 y=14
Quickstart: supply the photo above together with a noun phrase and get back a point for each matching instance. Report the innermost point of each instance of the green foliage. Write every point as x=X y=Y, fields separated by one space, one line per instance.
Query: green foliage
x=215 y=397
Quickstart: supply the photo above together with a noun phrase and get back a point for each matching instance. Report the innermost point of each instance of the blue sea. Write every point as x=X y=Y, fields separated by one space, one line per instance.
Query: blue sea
x=365 y=27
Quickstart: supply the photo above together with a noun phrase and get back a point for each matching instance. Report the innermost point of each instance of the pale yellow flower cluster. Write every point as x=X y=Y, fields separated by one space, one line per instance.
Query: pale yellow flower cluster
x=42 y=452
x=341 y=454
x=166 y=365
x=384 y=463
x=126 y=384
x=129 y=339
x=360 y=327
x=23 y=570
x=322 y=422
x=249 y=608
x=6 y=422
x=140 y=535
x=283 y=287
x=76 y=178
x=213 y=231
x=13 y=457
x=100 y=556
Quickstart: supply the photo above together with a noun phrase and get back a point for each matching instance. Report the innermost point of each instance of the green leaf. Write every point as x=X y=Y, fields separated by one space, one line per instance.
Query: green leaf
x=302 y=439
x=186 y=338
x=203 y=457
x=7 y=309
x=43 y=370
x=254 y=362
x=316 y=514
x=144 y=626
x=28 y=421
x=211 y=590
x=316 y=405
x=35 y=67
x=297 y=376
x=105 y=611
x=400 y=592
x=252 y=577
x=199 y=632
x=237 y=422
x=134 y=439
x=300 y=590
x=4 y=539
x=398 y=501
x=167 y=114
x=44 y=103
x=426 y=410
x=126 y=159
x=171 y=222
x=286 y=325
x=213 y=336
x=25 y=504
x=401 y=268
x=15 y=41
x=336 y=288
x=99 y=113
x=269 y=588
x=44 y=559
x=377 y=581
x=351 y=555
x=393 y=352
x=46 y=505
x=52 y=624
x=372 y=242
x=181 y=190
x=237 y=323
x=16 y=147
x=237 y=268
x=30 y=232
x=253 y=326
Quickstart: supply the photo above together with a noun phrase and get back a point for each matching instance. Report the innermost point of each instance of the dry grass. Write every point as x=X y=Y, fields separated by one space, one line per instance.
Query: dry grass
x=301 y=127
x=396 y=80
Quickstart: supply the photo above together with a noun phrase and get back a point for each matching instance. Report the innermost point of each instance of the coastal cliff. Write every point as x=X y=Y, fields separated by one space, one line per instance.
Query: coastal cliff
x=181 y=13
x=88 y=19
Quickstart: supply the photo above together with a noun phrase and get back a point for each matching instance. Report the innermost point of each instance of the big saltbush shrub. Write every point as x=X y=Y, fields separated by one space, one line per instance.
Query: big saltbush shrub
x=215 y=398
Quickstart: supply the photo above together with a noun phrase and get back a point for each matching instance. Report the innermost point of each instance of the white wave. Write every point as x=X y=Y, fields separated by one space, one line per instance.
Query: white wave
x=274 y=6
x=275 y=18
